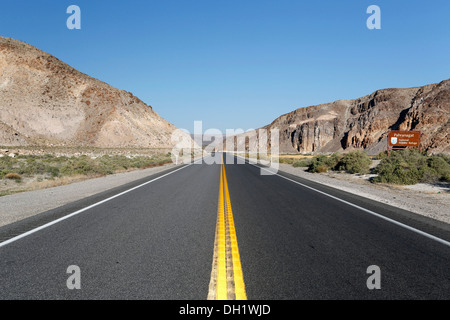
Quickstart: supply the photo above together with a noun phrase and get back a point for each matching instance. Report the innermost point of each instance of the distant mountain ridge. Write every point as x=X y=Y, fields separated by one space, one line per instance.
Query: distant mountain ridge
x=44 y=101
x=365 y=122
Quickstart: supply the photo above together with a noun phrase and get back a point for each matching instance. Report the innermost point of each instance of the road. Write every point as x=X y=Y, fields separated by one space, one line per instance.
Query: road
x=160 y=239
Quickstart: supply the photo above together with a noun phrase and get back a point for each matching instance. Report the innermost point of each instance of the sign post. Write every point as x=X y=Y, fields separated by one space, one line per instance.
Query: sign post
x=402 y=140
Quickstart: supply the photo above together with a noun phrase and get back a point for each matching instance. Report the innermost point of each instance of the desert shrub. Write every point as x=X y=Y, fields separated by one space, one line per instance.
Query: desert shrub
x=354 y=162
x=113 y=163
x=301 y=163
x=397 y=172
x=286 y=160
x=49 y=165
x=7 y=165
x=427 y=174
x=31 y=166
x=441 y=165
x=323 y=163
x=333 y=160
x=141 y=162
x=381 y=155
x=54 y=160
x=84 y=166
x=398 y=168
x=316 y=162
x=322 y=168
x=53 y=171
x=411 y=167
x=7 y=162
x=3 y=173
x=438 y=169
x=445 y=157
x=13 y=176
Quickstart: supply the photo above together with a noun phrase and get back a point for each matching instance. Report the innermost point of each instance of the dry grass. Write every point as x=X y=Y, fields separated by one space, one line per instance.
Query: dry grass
x=44 y=184
x=295 y=156
x=282 y=156
x=13 y=176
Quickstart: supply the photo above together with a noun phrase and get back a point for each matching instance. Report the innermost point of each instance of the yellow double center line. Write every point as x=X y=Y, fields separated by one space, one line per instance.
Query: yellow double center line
x=227 y=280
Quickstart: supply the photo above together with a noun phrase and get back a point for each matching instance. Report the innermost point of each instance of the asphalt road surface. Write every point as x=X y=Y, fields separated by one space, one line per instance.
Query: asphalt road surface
x=154 y=239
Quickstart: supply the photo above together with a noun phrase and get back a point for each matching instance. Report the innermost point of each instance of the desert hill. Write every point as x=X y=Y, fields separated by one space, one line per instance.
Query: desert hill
x=44 y=101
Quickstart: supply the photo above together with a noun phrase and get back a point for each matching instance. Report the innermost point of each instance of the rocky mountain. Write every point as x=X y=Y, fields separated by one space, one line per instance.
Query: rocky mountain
x=365 y=122
x=44 y=101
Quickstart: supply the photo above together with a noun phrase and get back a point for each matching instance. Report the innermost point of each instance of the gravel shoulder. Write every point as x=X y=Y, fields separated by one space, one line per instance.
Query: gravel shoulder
x=23 y=205
x=425 y=199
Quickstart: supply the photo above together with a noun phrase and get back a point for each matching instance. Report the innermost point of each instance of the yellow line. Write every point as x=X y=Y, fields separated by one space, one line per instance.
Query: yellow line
x=221 y=268
x=239 y=286
x=227 y=280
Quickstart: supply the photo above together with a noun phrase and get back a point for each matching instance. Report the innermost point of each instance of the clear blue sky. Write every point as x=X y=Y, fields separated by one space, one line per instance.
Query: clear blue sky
x=240 y=63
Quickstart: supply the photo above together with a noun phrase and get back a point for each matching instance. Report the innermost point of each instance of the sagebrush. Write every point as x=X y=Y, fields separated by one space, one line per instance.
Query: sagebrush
x=411 y=166
x=51 y=166
x=352 y=162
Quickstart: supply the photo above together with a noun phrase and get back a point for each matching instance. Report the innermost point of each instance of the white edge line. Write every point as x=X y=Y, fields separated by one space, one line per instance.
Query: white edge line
x=430 y=236
x=23 y=235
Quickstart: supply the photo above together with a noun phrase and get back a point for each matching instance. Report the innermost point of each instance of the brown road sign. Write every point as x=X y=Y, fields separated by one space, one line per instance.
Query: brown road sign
x=404 y=139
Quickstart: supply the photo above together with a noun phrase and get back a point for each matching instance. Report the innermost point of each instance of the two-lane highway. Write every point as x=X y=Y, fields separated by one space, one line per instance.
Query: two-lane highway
x=159 y=241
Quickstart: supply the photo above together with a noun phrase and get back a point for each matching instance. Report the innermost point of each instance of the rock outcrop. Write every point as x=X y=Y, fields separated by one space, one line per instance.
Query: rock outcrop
x=44 y=101
x=365 y=122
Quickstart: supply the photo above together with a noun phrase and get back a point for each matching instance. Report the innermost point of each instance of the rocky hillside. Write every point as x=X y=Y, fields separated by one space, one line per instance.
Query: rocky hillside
x=43 y=101
x=364 y=123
